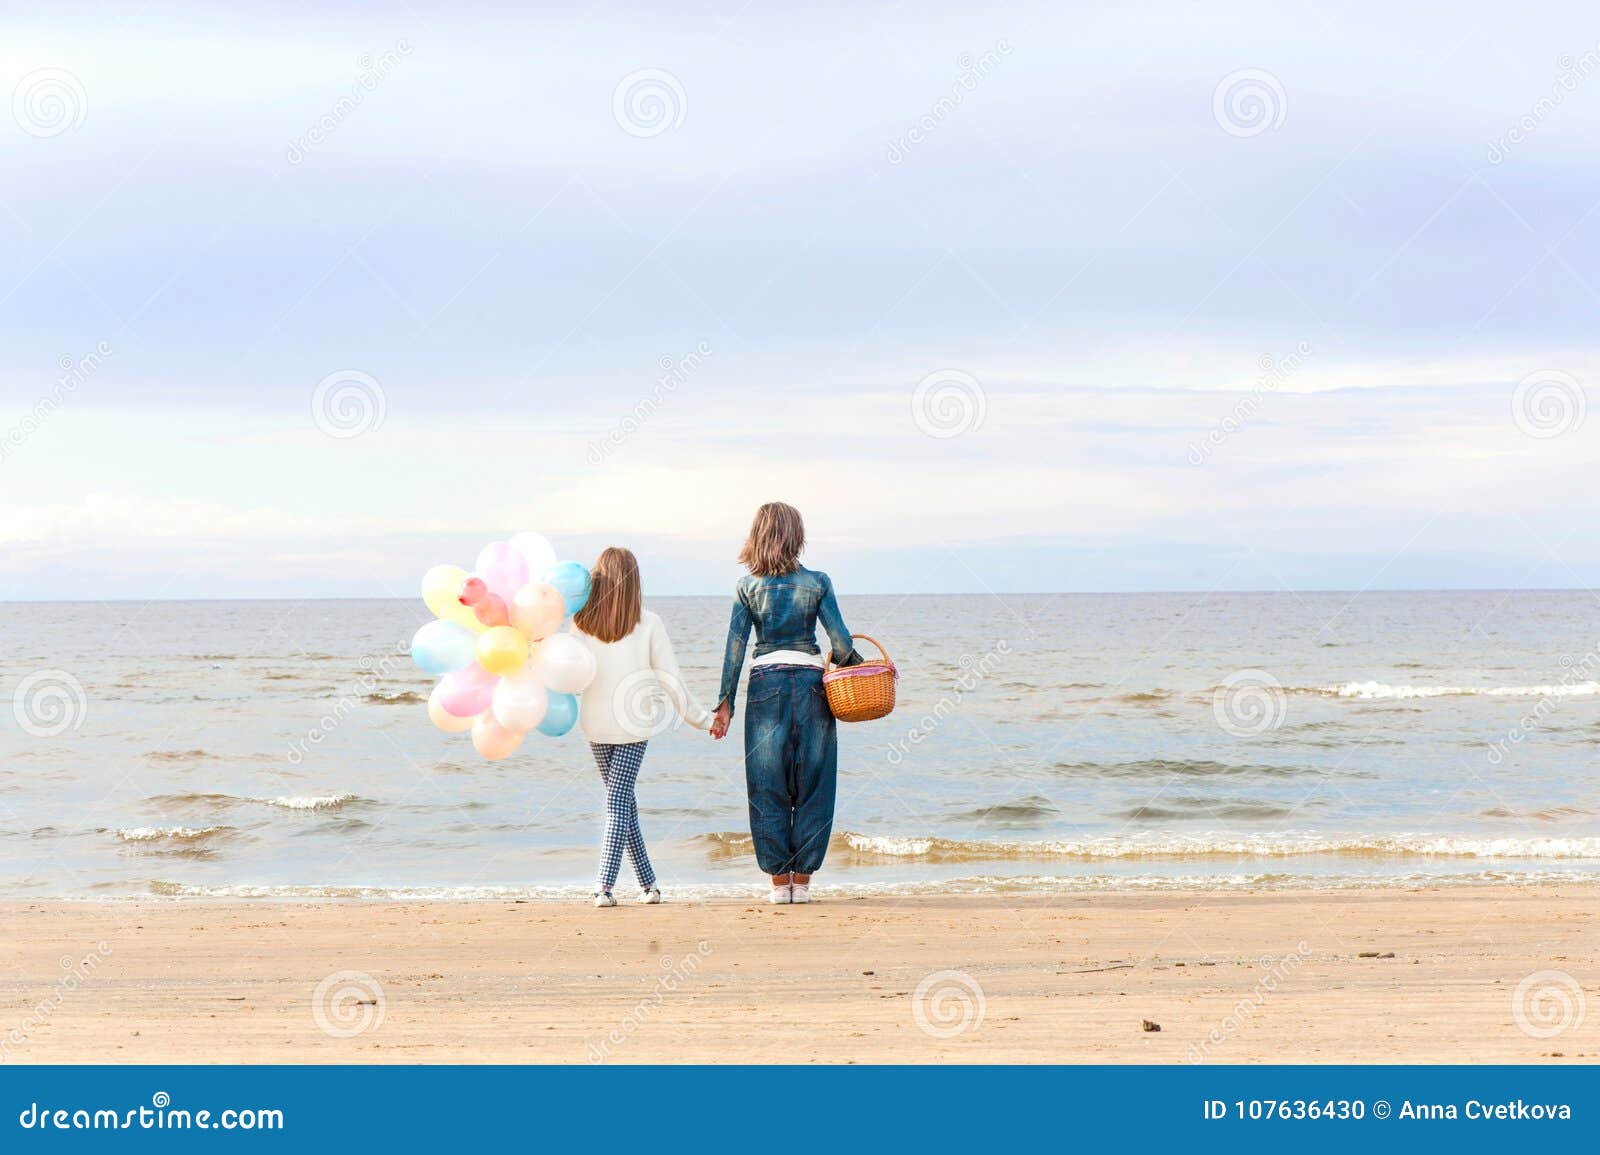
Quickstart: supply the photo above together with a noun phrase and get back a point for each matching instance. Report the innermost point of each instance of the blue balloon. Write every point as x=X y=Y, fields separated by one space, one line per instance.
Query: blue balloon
x=559 y=716
x=443 y=647
x=572 y=579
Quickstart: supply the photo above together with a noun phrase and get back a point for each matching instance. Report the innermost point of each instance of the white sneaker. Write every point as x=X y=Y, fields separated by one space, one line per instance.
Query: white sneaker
x=781 y=896
x=649 y=895
x=800 y=892
x=604 y=899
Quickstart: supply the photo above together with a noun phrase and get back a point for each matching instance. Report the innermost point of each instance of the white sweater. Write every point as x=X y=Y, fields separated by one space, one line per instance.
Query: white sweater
x=637 y=688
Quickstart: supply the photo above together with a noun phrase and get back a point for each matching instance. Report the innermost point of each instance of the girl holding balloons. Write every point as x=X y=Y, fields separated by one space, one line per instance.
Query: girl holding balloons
x=622 y=707
x=508 y=669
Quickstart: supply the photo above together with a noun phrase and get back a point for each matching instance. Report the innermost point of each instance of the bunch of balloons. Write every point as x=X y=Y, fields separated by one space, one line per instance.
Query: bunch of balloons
x=507 y=667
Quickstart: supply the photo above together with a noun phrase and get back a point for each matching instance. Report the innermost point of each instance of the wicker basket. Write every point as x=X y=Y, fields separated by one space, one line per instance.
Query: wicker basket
x=861 y=693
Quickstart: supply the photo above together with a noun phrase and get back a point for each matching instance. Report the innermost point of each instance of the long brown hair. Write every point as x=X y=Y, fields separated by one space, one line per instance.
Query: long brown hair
x=777 y=535
x=613 y=606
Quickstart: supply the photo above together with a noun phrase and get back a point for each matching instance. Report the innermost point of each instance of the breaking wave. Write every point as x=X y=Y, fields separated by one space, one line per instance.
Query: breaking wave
x=170 y=833
x=311 y=801
x=1380 y=690
x=863 y=848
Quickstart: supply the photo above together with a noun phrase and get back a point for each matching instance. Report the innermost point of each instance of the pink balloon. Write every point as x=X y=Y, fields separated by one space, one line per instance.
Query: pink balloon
x=442 y=718
x=493 y=740
x=467 y=693
x=492 y=611
x=503 y=569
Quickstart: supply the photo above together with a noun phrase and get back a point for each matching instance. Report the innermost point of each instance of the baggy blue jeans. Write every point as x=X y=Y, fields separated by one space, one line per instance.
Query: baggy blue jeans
x=791 y=768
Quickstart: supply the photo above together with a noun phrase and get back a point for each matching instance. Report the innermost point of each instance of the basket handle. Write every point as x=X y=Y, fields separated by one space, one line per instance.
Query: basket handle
x=827 y=665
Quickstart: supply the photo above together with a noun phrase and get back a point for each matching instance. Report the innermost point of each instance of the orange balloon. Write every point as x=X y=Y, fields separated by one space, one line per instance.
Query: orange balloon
x=538 y=609
x=493 y=740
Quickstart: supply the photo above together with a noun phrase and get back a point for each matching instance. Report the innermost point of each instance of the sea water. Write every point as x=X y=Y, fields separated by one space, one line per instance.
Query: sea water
x=1042 y=743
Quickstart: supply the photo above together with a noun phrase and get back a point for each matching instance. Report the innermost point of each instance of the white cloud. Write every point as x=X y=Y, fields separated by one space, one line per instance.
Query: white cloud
x=1088 y=468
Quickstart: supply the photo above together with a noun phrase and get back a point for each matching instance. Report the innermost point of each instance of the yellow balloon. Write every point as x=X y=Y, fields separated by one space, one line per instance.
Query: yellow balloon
x=502 y=650
x=441 y=589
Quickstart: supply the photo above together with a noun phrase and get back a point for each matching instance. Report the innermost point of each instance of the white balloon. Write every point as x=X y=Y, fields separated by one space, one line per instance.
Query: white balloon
x=565 y=664
x=520 y=701
x=540 y=554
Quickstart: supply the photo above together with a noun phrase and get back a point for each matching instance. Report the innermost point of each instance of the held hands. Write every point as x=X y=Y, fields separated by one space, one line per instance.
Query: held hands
x=720 y=720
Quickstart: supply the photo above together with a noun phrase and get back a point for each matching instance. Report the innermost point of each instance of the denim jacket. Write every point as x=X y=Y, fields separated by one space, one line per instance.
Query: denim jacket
x=785 y=610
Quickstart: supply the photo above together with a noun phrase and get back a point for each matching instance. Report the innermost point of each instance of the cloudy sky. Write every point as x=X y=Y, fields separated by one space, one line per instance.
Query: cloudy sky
x=1005 y=296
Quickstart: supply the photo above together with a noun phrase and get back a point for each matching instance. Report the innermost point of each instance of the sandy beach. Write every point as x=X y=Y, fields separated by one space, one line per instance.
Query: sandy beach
x=1349 y=976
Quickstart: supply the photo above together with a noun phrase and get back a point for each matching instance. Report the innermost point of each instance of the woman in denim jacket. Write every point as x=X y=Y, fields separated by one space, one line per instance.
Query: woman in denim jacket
x=790 y=751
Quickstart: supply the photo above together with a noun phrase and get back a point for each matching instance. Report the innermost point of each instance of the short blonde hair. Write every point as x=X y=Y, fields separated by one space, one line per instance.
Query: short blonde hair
x=777 y=535
x=613 y=607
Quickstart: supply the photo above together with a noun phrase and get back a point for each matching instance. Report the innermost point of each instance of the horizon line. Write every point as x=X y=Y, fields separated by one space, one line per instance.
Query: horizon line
x=891 y=594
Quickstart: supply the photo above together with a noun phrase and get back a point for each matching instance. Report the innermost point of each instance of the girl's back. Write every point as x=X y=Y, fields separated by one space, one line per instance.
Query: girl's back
x=620 y=705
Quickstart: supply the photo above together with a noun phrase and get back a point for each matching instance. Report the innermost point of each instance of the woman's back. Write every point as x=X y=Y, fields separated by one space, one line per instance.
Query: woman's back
x=784 y=610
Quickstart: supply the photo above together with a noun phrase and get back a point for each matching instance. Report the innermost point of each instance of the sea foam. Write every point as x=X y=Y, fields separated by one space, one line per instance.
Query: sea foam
x=1042 y=884
x=174 y=833
x=1382 y=690
x=1288 y=844
x=310 y=801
